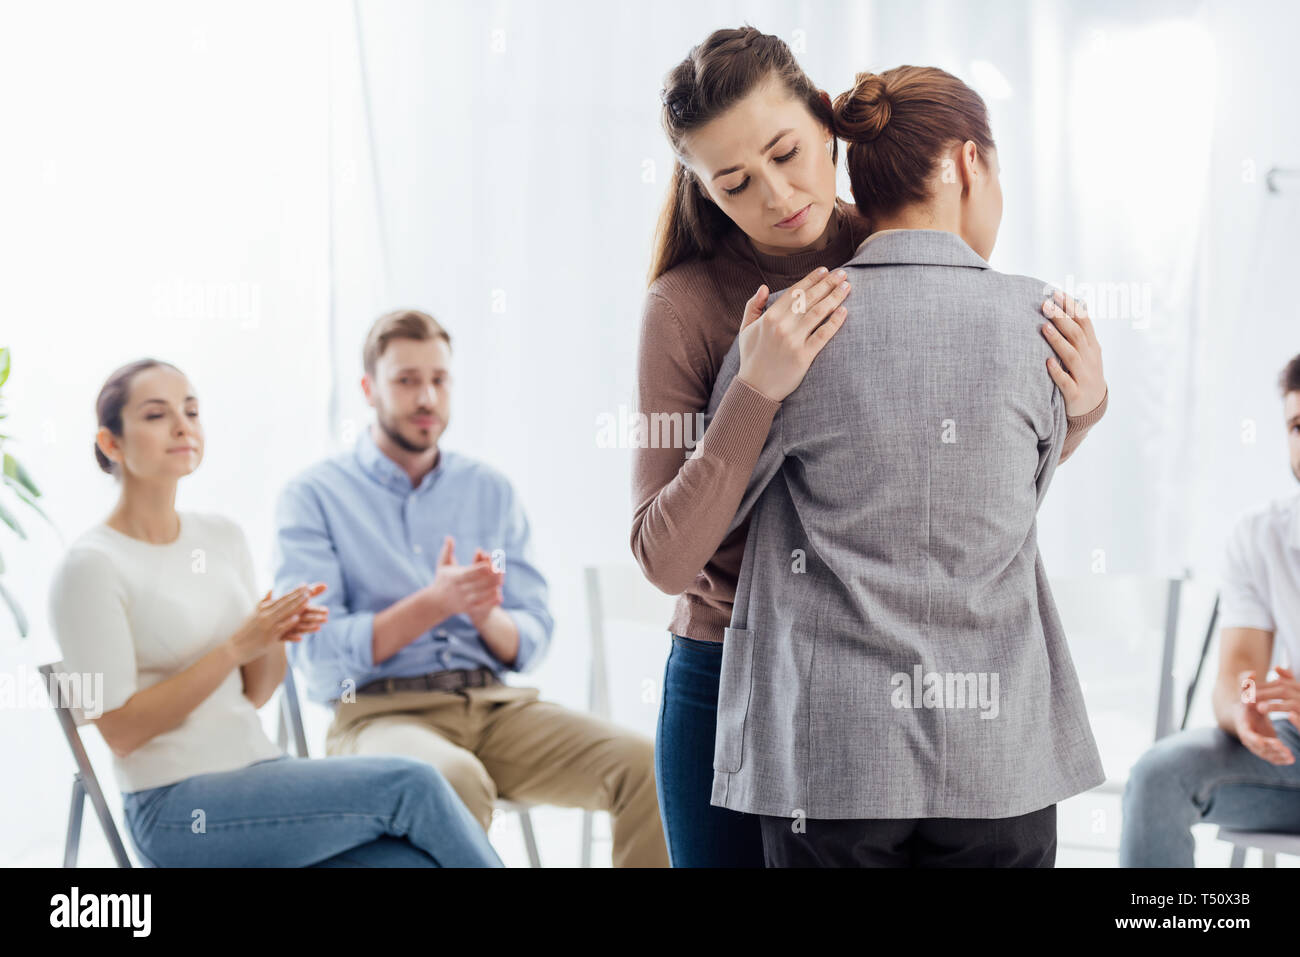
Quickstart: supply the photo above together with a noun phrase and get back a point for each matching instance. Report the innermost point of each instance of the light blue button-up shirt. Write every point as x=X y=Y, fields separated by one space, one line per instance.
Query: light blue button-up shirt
x=356 y=523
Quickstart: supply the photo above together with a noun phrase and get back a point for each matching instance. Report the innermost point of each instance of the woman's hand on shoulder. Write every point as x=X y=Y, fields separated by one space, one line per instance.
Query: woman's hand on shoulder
x=1076 y=368
x=778 y=346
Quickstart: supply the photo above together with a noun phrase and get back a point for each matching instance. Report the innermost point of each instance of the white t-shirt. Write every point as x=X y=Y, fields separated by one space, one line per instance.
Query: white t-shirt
x=138 y=613
x=1261 y=577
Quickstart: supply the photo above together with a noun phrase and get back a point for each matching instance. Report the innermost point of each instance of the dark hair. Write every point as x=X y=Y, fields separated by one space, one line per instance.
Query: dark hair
x=1289 y=380
x=401 y=324
x=715 y=75
x=112 y=397
x=897 y=124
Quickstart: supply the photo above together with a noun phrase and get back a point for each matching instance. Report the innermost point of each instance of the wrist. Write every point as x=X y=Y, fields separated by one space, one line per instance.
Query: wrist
x=434 y=604
x=230 y=656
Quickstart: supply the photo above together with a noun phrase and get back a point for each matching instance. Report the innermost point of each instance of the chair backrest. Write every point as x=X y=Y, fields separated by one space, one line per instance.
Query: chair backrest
x=71 y=719
x=618 y=592
x=291 y=715
x=1145 y=611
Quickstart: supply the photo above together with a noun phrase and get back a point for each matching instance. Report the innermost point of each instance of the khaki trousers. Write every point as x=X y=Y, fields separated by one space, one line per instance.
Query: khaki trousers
x=501 y=740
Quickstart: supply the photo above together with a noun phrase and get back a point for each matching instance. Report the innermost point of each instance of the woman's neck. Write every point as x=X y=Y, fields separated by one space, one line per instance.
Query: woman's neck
x=147 y=511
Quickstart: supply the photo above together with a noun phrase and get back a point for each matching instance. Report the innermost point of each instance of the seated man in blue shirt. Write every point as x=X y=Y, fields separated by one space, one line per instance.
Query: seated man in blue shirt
x=412 y=656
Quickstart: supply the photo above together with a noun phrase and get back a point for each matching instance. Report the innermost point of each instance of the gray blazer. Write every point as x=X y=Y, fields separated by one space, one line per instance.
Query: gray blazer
x=894 y=651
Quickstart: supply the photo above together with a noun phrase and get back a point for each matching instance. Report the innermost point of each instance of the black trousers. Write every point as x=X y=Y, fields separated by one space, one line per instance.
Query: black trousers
x=1028 y=840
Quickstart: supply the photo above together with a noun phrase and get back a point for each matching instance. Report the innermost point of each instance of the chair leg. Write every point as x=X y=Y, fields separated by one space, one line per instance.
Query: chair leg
x=73 y=843
x=1238 y=856
x=588 y=819
x=530 y=839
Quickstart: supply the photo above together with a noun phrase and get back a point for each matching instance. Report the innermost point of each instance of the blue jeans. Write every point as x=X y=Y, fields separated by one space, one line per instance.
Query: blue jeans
x=356 y=811
x=699 y=834
x=1205 y=774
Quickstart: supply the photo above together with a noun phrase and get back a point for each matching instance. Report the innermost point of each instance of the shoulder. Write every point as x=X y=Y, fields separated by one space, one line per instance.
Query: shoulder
x=319 y=475
x=680 y=292
x=1269 y=524
x=93 y=558
x=477 y=473
x=1026 y=288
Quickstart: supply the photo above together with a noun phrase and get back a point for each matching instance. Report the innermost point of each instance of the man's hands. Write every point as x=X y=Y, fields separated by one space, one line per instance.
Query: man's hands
x=1252 y=725
x=472 y=590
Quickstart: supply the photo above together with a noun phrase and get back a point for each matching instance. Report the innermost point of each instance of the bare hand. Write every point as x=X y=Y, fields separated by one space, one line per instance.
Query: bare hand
x=1076 y=368
x=1281 y=694
x=778 y=346
x=1255 y=731
x=471 y=590
x=313 y=617
x=480 y=610
x=268 y=624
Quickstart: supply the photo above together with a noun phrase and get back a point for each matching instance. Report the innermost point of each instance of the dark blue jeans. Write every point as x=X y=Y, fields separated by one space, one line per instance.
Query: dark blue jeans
x=698 y=833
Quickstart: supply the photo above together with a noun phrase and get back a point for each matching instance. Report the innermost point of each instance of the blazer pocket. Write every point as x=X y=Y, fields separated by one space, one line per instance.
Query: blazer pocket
x=733 y=698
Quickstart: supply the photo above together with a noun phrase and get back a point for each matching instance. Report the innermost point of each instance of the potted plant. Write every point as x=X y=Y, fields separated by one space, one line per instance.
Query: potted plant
x=15 y=484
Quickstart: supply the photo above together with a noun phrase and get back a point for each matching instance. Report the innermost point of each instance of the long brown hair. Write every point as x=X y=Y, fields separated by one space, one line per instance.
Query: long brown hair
x=897 y=124
x=715 y=75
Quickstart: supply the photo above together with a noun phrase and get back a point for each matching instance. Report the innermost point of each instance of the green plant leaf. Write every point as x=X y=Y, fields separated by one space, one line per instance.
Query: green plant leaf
x=4 y=364
x=27 y=498
x=14 y=469
x=19 y=618
x=7 y=517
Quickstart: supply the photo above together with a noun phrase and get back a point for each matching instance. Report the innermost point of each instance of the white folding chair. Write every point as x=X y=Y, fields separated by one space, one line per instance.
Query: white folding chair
x=85 y=784
x=290 y=725
x=1270 y=844
x=616 y=592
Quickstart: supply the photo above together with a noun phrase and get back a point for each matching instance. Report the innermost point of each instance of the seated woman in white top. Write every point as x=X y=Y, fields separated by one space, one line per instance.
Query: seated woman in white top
x=164 y=605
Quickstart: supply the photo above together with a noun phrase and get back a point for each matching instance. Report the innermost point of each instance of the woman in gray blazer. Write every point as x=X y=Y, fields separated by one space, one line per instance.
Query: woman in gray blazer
x=896 y=688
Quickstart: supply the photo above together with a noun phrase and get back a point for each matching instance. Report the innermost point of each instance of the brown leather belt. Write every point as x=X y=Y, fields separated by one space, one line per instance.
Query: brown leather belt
x=453 y=680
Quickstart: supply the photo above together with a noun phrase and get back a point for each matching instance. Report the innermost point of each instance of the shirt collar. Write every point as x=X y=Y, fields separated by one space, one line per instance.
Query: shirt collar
x=388 y=473
x=924 y=247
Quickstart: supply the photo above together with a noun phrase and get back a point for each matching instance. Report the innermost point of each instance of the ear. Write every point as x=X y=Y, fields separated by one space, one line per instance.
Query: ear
x=366 y=386
x=969 y=162
x=107 y=443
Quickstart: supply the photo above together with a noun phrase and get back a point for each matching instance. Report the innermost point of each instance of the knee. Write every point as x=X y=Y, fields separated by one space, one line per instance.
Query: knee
x=634 y=756
x=465 y=775
x=1161 y=771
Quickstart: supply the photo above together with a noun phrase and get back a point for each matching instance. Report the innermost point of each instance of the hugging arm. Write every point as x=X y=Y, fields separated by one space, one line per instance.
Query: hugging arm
x=770 y=457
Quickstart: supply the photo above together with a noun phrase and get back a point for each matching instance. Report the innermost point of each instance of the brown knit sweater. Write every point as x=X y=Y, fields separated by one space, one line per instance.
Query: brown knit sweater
x=684 y=505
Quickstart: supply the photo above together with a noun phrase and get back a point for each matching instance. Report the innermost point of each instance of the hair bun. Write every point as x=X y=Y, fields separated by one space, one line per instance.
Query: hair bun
x=862 y=113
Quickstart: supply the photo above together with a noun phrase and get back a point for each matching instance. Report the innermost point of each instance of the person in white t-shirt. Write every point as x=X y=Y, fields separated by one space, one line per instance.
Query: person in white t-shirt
x=1242 y=773
x=164 y=607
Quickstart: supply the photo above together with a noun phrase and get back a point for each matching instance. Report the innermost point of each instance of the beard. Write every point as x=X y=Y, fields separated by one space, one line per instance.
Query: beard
x=391 y=428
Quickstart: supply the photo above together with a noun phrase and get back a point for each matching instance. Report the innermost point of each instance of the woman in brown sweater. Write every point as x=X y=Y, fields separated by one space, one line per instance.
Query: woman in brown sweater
x=752 y=209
